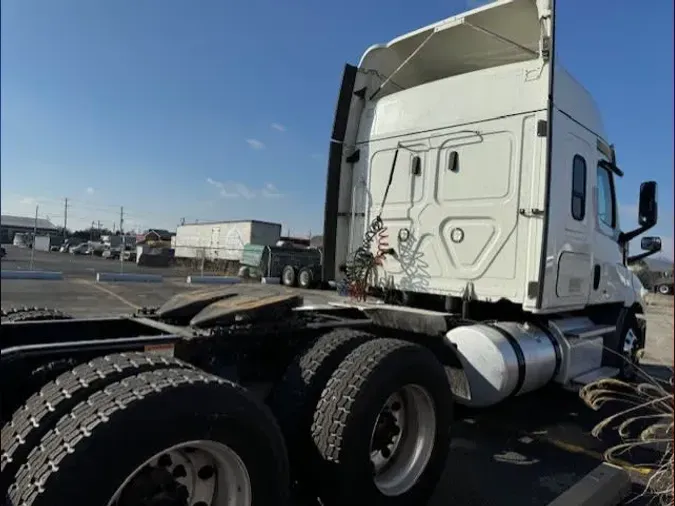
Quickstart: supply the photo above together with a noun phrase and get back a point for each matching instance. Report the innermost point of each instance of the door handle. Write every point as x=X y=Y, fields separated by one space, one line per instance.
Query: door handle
x=597 y=271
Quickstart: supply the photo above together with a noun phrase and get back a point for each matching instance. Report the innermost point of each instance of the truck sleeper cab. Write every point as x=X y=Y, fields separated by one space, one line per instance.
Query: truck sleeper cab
x=489 y=170
x=483 y=167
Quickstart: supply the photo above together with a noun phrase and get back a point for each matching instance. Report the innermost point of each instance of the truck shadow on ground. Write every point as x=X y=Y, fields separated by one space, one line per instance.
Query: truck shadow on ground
x=530 y=450
x=526 y=451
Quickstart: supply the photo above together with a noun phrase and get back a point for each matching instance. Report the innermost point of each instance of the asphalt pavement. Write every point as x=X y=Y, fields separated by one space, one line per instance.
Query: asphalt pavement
x=80 y=265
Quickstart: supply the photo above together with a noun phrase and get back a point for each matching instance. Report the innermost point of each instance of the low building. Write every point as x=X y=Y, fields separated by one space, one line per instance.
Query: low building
x=154 y=235
x=11 y=225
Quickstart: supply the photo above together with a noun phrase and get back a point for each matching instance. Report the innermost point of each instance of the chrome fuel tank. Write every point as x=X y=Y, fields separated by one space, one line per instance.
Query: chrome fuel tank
x=503 y=359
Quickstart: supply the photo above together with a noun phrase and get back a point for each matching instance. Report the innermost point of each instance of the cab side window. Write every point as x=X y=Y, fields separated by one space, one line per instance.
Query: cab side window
x=578 y=188
x=606 y=198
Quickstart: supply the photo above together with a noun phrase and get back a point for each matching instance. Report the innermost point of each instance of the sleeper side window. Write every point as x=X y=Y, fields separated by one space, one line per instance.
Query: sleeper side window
x=578 y=188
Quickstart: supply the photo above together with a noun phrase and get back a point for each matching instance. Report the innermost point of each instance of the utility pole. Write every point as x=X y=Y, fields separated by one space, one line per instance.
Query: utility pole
x=32 y=249
x=123 y=248
x=99 y=225
x=65 y=218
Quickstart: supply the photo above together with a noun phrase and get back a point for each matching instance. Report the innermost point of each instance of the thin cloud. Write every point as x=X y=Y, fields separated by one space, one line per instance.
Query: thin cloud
x=222 y=189
x=89 y=191
x=230 y=190
x=255 y=144
x=278 y=126
x=270 y=191
x=28 y=201
x=244 y=191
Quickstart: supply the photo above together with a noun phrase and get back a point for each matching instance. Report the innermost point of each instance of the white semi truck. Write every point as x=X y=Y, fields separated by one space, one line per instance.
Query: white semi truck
x=471 y=183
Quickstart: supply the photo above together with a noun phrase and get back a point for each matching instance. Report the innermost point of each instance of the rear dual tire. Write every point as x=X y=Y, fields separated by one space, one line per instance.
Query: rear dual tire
x=330 y=401
x=134 y=438
x=289 y=276
x=349 y=424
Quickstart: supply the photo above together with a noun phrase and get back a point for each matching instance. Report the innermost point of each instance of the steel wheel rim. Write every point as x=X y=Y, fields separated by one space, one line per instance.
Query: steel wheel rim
x=630 y=353
x=288 y=276
x=664 y=290
x=304 y=278
x=411 y=449
x=214 y=474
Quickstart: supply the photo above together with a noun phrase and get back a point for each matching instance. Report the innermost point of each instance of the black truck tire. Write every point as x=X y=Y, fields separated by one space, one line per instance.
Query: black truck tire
x=631 y=340
x=289 y=276
x=33 y=314
x=294 y=398
x=306 y=277
x=665 y=289
x=156 y=429
x=351 y=421
x=43 y=409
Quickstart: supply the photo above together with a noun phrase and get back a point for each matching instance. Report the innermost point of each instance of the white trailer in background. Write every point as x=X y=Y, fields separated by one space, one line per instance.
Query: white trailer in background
x=223 y=240
x=41 y=243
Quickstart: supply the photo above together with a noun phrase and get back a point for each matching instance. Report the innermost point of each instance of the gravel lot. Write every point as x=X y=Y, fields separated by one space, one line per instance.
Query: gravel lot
x=660 y=345
x=531 y=449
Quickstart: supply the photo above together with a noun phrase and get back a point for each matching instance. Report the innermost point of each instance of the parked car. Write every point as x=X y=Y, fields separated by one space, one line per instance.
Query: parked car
x=80 y=249
x=111 y=253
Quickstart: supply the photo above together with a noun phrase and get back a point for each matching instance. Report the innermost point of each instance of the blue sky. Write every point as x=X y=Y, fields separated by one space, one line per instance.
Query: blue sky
x=209 y=109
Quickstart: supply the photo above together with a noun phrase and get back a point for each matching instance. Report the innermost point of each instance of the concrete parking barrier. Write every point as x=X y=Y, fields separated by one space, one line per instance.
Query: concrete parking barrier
x=606 y=485
x=270 y=281
x=51 y=275
x=213 y=280
x=134 y=278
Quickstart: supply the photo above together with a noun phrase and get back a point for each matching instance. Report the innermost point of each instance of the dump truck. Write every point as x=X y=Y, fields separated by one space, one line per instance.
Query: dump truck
x=292 y=265
x=472 y=187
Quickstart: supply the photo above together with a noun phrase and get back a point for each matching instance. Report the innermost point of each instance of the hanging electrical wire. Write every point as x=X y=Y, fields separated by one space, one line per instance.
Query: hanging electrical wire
x=361 y=265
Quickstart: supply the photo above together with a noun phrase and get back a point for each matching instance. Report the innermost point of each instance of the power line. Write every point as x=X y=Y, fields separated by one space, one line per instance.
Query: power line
x=65 y=217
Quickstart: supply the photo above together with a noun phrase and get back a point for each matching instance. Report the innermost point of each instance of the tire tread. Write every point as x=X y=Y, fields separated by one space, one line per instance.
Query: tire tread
x=62 y=440
x=333 y=410
x=30 y=422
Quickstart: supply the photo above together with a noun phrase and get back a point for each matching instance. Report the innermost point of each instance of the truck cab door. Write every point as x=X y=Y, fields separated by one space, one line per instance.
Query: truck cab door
x=610 y=278
x=574 y=161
